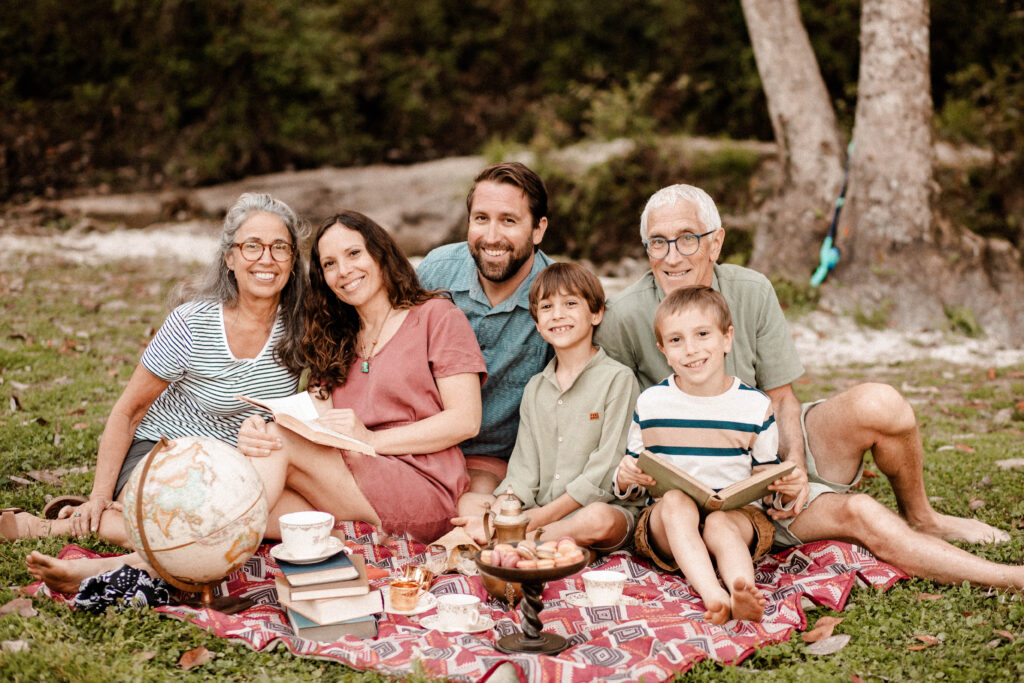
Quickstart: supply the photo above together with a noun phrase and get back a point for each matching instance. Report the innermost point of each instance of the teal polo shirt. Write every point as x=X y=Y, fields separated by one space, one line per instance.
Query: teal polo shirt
x=513 y=349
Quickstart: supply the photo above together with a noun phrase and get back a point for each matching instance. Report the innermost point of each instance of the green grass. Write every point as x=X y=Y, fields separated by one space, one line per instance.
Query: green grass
x=70 y=336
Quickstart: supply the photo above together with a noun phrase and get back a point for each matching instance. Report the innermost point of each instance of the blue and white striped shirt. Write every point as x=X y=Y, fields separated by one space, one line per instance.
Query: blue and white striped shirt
x=190 y=350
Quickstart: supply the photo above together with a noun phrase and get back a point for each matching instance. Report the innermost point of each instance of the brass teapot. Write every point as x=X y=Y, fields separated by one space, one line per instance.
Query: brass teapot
x=510 y=523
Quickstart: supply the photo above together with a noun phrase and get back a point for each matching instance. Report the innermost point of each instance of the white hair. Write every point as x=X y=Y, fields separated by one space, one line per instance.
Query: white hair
x=707 y=212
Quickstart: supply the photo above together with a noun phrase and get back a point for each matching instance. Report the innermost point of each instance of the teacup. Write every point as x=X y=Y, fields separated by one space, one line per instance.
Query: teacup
x=603 y=587
x=306 y=533
x=458 y=611
x=404 y=594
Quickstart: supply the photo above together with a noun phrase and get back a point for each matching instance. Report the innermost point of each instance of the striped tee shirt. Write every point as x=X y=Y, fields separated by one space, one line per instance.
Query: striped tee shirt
x=717 y=439
x=191 y=352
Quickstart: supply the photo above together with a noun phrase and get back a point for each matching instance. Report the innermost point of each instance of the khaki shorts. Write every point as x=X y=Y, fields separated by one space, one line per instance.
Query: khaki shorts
x=764 y=532
x=818 y=484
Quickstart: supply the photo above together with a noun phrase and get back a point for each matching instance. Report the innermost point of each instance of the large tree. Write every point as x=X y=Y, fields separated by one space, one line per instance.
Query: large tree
x=897 y=254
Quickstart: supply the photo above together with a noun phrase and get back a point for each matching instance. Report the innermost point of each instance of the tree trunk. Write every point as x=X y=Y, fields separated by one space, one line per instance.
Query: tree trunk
x=898 y=257
x=807 y=135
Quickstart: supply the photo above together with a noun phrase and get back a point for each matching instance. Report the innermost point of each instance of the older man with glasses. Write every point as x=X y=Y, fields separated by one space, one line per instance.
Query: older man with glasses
x=681 y=229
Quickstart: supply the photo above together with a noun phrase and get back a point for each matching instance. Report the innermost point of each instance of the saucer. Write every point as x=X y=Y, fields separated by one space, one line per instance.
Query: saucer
x=334 y=546
x=433 y=622
x=580 y=599
x=426 y=601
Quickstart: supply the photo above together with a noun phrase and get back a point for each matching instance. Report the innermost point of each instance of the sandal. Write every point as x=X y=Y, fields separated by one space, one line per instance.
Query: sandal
x=52 y=509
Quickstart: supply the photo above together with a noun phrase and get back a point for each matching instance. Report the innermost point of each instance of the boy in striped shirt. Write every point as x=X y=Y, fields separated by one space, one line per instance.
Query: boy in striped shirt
x=717 y=429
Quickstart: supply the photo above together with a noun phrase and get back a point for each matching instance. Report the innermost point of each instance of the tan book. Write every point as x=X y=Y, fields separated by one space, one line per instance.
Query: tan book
x=298 y=414
x=332 y=610
x=731 y=497
x=330 y=589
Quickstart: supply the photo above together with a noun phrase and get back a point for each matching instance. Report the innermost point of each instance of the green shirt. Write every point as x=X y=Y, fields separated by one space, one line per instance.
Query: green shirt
x=763 y=353
x=571 y=441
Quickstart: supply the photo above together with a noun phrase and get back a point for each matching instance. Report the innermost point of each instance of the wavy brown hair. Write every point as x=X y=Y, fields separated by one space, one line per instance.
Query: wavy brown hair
x=329 y=344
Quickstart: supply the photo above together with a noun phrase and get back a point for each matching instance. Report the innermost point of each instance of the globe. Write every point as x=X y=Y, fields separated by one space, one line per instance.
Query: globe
x=196 y=510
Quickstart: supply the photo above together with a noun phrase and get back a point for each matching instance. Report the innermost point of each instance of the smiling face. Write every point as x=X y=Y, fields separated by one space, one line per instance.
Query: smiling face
x=565 y=321
x=695 y=349
x=264 y=277
x=501 y=233
x=348 y=268
x=674 y=270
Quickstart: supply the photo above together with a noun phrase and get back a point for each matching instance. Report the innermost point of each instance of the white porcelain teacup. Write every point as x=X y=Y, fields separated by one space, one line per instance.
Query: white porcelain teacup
x=458 y=611
x=306 y=533
x=603 y=587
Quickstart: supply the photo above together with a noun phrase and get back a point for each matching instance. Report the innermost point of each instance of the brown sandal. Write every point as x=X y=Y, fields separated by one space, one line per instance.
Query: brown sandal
x=52 y=509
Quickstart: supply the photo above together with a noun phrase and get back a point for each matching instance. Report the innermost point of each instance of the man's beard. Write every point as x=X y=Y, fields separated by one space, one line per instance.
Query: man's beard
x=496 y=272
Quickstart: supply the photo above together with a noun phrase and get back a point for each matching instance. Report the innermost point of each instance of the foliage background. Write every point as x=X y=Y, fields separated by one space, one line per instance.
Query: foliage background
x=139 y=94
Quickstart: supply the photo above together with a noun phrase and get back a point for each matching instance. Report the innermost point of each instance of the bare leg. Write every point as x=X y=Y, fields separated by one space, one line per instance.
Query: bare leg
x=859 y=518
x=290 y=501
x=597 y=524
x=727 y=536
x=65 y=576
x=876 y=417
x=316 y=474
x=674 y=532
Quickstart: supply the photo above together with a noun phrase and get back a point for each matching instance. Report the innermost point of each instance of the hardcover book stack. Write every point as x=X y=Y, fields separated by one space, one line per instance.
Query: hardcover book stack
x=329 y=599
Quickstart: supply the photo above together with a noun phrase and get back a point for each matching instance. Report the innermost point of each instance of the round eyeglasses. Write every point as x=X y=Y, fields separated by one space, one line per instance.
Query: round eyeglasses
x=253 y=251
x=687 y=244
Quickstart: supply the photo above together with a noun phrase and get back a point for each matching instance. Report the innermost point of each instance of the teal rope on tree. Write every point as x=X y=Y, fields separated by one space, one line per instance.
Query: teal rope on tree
x=828 y=257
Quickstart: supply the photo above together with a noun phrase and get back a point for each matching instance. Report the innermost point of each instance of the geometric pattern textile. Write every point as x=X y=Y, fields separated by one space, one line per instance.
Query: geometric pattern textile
x=654 y=640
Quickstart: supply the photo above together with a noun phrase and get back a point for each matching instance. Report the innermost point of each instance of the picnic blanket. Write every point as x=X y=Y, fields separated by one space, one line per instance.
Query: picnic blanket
x=654 y=640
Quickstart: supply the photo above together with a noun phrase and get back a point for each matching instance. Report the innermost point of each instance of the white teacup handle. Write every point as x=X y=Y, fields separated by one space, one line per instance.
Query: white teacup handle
x=472 y=618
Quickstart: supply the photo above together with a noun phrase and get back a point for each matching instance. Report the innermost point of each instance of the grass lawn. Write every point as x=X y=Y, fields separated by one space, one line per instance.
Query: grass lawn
x=70 y=336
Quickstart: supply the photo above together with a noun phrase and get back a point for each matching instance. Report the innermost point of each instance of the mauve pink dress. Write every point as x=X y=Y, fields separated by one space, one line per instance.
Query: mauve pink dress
x=413 y=494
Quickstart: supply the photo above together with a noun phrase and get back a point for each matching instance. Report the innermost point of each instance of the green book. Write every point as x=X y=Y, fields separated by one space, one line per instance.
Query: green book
x=361 y=627
x=731 y=497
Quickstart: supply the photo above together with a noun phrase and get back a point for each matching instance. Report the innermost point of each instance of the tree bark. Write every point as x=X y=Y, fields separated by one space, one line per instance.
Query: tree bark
x=807 y=135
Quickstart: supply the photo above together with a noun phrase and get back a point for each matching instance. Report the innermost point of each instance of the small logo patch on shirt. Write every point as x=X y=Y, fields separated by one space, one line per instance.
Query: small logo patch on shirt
x=595 y=416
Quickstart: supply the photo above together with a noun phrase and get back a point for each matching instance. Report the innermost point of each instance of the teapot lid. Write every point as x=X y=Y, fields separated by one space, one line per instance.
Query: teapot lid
x=511 y=510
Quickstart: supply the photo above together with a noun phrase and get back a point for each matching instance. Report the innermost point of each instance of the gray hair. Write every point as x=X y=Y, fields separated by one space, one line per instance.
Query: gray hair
x=707 y=212
x=217 y=282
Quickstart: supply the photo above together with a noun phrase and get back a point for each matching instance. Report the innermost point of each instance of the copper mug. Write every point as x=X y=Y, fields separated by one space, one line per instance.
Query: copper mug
x=419 y=575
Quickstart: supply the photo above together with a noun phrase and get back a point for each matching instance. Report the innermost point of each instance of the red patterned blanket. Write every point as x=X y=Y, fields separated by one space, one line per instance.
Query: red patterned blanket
x=654 y=640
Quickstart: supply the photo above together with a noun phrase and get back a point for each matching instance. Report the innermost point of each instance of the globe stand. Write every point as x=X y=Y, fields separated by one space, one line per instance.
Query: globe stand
x=531 y=639
x=226 y=604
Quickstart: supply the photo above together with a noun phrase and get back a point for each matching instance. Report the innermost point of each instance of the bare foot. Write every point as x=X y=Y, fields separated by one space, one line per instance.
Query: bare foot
x=747 y=601
x=65 y=576
x=965 y=529
x=717 y=612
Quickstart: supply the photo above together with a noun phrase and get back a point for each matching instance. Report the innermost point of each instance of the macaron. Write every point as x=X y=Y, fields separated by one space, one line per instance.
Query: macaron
x=545 y=564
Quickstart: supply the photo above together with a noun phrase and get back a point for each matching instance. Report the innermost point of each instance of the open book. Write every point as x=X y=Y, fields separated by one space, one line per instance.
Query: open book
x=731 y=497
x=298 y=414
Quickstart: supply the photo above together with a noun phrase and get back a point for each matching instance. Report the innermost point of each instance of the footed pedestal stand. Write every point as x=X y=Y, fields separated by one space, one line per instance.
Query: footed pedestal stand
x=531 y=639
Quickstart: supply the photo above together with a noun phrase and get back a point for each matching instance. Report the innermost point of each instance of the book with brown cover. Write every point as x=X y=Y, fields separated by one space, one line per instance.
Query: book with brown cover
x=731 y=497
x=332 y=610
x=328 y=589
x=298 y=414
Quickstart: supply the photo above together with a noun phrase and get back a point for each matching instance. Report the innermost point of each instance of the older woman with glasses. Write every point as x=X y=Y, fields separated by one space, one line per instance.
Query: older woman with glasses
x=239 y=331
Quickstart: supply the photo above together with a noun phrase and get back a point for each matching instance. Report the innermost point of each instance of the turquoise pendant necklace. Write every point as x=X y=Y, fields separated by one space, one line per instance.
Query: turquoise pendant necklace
x=365 y=367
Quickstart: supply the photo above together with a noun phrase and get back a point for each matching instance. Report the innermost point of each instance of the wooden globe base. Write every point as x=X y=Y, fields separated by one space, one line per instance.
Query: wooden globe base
x=227 y=604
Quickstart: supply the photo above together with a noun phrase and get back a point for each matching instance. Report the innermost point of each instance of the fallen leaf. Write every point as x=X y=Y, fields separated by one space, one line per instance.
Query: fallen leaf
x=195 y=657
x=965 y=448
x=854 y=678
x=928 y=596
x=928 y=641
x=985 y=481
x=144 y=655
x=995 y=642
x=1019 y=405
x=19 y=480
x=20 y=386
x=869 y=474
x=80 y=425
x=830 y=645
x=822 y=629
x=22 y=606
x=14 y=646
x=45 y=477
x=15 y=403
x=1003 y=416
x=991 y=373
x=1005 y=634
x=1010 y=463
x=975 y=504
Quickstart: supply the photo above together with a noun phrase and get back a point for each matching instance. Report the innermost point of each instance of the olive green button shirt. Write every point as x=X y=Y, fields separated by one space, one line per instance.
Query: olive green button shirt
x=763 y=353
x=571 y=441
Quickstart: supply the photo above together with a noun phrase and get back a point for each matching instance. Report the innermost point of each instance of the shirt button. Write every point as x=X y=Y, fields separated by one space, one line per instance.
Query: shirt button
x=559 y=439
x=558 y=476
x=559 y=401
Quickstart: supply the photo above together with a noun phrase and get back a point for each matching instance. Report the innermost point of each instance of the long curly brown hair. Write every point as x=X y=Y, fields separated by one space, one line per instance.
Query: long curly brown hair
x=329 y=344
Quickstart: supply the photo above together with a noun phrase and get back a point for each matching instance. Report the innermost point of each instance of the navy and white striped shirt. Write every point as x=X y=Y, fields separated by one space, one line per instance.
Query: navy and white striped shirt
x=191 y=352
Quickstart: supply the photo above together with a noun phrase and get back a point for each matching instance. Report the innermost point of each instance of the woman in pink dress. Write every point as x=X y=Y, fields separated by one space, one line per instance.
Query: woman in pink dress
x=396 y=366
